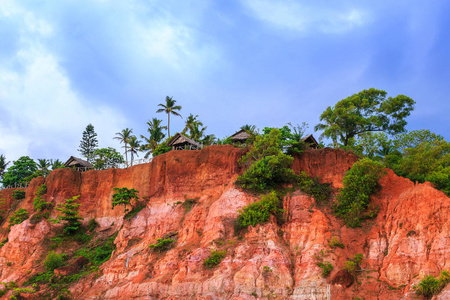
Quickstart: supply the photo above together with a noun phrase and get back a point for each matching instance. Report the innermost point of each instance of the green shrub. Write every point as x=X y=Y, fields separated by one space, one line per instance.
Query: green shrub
x=259 y=212
x=18 y=194
x=18 y=216
x=40 y=204
x=321 y=192
x=189 y=203
x=162 y=245
x=3 y=242
x=123 y=196
x=335 y=243
x=353 y=264
x=430 y=285
x=100 y=253
x=160 y=149
x=42 y=190
x=267 y=173
x=360 y=182
x=326 y=267
x=214 y=259
x=54 y=260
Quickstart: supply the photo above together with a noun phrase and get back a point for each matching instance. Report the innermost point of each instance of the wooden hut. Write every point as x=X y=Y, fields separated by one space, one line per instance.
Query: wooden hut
x=78 y=163
x=311 y=142
x=182 y=142
x=240 y=137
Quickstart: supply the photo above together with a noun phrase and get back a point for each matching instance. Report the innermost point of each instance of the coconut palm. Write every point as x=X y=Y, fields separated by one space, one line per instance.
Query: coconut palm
x=156 y=135
x=191 y=121
x=56 y=164
x=124 y=137
x=134 y=147
x=43 y=165
x=3 y=165
x=209 y=139
x=169 y=108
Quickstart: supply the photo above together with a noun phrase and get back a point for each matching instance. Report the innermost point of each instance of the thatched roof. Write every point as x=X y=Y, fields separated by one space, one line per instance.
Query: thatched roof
x=311 y=141
x=241 y=135
x=180 y=139
x=77 y=162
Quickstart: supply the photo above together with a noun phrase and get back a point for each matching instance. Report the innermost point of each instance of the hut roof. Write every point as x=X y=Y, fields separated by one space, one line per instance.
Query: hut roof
x=77 y=162
x=241 y=135
x=311 y=141
x=180 y=139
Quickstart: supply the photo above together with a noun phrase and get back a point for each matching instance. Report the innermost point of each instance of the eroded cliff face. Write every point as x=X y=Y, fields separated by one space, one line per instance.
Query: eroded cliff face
x=407 y=240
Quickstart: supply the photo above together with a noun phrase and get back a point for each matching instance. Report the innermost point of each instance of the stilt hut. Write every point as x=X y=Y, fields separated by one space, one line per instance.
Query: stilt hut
x=182 y=142
x=240 y=137
x=78 y=163
x=311 y=142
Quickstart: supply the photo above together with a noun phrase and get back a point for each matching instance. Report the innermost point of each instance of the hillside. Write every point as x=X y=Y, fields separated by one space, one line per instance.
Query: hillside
x=406 y=241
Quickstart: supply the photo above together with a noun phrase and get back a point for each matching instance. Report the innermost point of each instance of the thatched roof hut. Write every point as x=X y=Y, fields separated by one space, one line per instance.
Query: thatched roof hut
x=311 y=142
x=240 y=136
x=182 y=142
x=78 y=163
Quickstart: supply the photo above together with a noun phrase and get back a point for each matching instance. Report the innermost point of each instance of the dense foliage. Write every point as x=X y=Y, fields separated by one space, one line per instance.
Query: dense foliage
x=360 y=182
x=18 y=216
x=20 y=171
x=106 y=158
x=162 y=244
x=161 y=148
x=430 y=286
x=18 y=194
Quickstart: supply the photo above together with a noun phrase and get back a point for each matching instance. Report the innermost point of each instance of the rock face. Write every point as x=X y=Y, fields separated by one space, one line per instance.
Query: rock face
x=406 y=241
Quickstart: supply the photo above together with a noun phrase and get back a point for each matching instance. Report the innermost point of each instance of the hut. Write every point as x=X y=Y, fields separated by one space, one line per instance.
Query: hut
x=311 y=142
x=182 y=142
x=78 y=163
x=240 y=137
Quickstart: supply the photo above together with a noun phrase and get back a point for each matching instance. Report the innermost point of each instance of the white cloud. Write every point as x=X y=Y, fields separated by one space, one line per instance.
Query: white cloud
x=304 y=16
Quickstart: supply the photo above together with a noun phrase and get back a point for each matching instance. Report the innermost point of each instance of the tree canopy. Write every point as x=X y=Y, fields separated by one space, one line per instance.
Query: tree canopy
x=88 y=143
x=366 y=111
x=21 y=169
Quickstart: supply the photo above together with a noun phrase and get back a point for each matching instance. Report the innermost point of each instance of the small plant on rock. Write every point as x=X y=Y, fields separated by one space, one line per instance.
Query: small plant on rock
x=70 y=215
x=335 y=243
x=18 y=194
x=430 y=285
x=123 y=196
x=214 y=259
x=162 y=245
x=18 y=216
x=326 y=267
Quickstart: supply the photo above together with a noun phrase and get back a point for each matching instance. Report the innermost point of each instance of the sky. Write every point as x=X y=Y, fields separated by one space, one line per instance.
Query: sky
x=65 y=64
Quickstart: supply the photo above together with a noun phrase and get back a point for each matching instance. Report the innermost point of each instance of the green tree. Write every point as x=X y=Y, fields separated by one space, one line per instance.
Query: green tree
x=56 y=164
x=88 y=143
x=70 y=214
x=135 y=146
x=194 y=128
x=414 y=138
x=156 y=136
x=3 y=165
x=106 y=158
x=43 y=165
x=366 y=111
x=123 y=196
x=169 y=108
x=21 y=169
x=124 y=137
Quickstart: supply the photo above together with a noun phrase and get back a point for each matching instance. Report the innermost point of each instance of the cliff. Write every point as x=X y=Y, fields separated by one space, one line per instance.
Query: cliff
x=406 y=241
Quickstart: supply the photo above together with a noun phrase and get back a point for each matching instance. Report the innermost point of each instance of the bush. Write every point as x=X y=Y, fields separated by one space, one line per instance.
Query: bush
x=189 y=203
x=18 y=194
x=321 y=192
x=42 y=190
x=335 y=243
x=326 y=267
x=214 y=259
x=160 y=149
x=70 y=215
x=430 y=285
x=259 y=212
x=123 y=196
x=99 y=254
x=18 y=216
x=267 y=173
x=163 y=245
x=54 y=260
x=360 y=182
x=40 y=204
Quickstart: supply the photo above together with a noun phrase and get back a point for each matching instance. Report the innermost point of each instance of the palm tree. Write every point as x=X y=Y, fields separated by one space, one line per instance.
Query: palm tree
x=169 y=108
x=191 y=121
x=3 y=165
x=135 y=146
x=209 y=139
x=331 y=128
x=43 y=165
x=124 y=137
x=56 y=164
x=156 y=136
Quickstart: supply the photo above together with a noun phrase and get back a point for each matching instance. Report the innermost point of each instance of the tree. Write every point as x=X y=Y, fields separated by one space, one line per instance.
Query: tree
x=169 y=108
x=3 y=165
x=88 y=143
x=43 y=165
x=21 y=169
x=135 y=145
x=124 y=137
x=366 y=111
x=56 y=164
x=123 y=196
x=106 y=158
x=156 y=136
x=70 y=215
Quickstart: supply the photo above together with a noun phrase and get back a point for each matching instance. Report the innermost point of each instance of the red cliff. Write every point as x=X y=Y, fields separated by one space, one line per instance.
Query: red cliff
x=406 y=241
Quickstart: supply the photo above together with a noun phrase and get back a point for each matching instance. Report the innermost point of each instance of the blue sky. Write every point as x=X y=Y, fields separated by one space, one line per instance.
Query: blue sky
x=65 y=64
